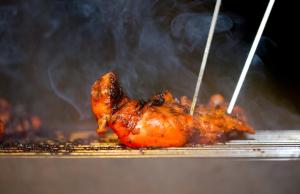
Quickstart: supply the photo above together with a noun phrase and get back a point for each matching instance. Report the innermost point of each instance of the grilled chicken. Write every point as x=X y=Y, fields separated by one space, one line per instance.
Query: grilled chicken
x=213 y=121
x=160 y=122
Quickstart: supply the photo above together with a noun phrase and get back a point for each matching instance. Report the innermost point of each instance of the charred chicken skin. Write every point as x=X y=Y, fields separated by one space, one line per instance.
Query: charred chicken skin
x=160 y=122
x=213 y=121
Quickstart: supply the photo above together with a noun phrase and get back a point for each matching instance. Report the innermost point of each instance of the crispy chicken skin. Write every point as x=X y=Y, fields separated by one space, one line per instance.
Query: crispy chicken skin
x=160 y=122
x=213 y=121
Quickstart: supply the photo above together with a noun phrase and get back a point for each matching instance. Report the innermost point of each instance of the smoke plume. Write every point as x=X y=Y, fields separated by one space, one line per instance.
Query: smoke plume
x=52 y=51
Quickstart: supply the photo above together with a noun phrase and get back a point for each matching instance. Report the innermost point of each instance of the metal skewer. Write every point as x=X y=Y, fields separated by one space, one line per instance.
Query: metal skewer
x=205 y=55
x=250 y=56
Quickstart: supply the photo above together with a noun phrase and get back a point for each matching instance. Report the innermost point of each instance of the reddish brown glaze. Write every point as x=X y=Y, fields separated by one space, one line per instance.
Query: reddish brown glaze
x=161 y=121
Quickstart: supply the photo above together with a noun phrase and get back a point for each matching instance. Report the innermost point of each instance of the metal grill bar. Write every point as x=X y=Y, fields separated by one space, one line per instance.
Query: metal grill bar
x=264 y=144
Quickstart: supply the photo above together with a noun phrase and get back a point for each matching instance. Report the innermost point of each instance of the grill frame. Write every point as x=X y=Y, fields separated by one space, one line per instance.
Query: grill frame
x=283 y=144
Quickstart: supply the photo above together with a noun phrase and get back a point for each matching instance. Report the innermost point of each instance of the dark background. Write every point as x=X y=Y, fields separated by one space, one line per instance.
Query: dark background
x=279 y=54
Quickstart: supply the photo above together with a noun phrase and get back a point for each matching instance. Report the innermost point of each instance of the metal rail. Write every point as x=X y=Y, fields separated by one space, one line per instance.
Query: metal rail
x=263 y=145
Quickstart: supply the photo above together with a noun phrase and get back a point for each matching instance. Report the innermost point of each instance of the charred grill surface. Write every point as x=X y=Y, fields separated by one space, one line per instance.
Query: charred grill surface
x=263 y=145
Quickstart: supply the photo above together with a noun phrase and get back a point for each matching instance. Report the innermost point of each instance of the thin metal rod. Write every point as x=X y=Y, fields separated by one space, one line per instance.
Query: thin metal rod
x=205 y=55
x=250 y=56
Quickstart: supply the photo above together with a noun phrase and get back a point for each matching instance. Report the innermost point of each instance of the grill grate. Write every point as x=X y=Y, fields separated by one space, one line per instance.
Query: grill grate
x=264 y=144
